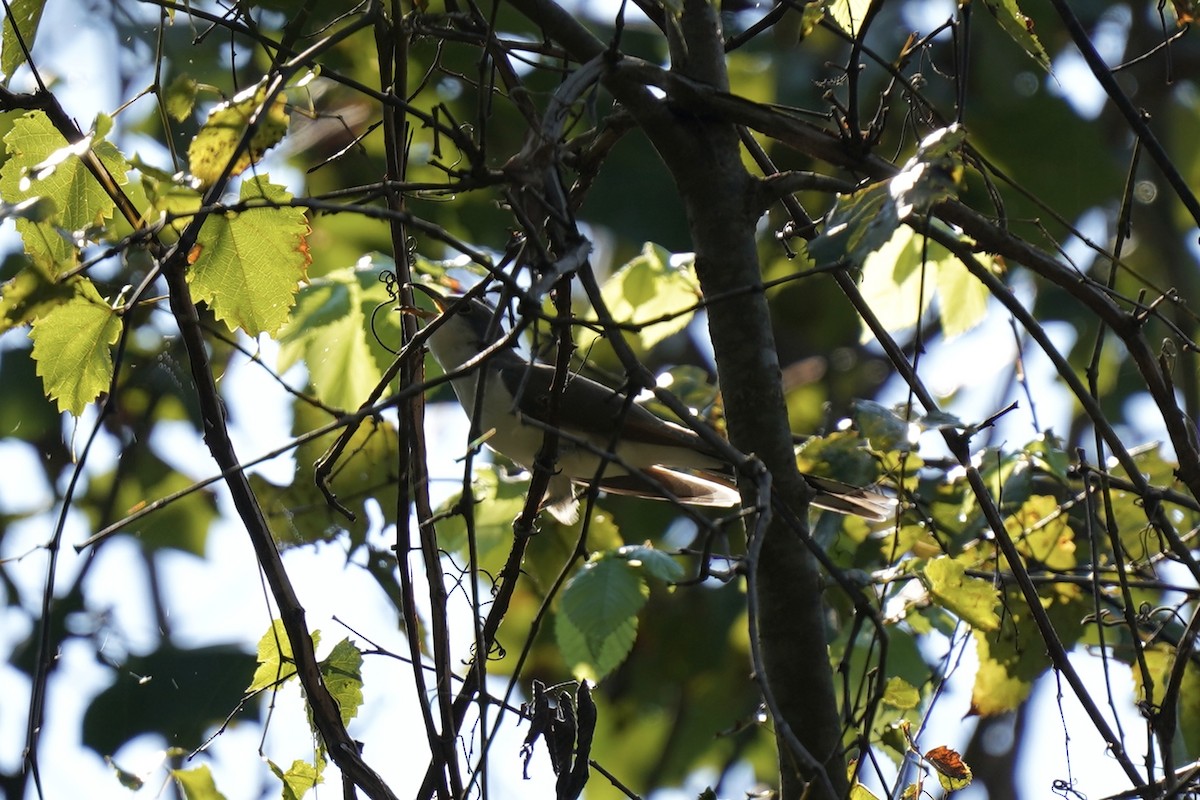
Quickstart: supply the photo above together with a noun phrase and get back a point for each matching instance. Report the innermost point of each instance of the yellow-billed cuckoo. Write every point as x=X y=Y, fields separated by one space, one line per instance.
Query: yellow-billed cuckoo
x=651 y=453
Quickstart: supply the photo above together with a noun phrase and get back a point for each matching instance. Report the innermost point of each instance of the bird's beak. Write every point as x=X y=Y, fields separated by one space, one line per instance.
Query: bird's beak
x=438 y=300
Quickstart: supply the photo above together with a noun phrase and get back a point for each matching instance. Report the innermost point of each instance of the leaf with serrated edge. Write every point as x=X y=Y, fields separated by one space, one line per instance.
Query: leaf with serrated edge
x=42 y=164
x=342 y=672
x=217 y=143
x=275 y=663
x=72 y=347
x=250 y=263
x=602 y=596
x=299 y=777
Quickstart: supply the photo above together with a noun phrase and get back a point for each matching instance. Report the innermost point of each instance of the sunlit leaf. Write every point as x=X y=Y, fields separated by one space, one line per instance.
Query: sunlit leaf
x=197 y=783
x=179 y=97
x=650 y=288
x=848 y=14
x=598 y=614
x=25 y=16
x=973 y=600
x=42 y=164
x=901 y=694
x=299 y=777
x=219 y=141
x=342 y=673
x=953 y=773
x=1020 y=27
x=248 y=265
x=72 y=344
x=275 y=662
x=1042 y=532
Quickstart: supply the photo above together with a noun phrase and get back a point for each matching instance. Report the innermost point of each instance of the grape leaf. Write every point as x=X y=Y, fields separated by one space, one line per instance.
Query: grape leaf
x=300 y=777
x=649 y=288
x=342 y=672
x=335 y=329
x=597 y=619
x=247 y=265
x=275 y=662
x=42 y=164
x=71 y=344
x=217 y=142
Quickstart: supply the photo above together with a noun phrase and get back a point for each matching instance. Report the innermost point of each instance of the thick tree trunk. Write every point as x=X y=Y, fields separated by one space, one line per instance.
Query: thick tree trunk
x=721 y=200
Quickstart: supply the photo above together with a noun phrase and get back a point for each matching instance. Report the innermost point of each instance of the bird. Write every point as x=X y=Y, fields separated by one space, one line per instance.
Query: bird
x=654 y=458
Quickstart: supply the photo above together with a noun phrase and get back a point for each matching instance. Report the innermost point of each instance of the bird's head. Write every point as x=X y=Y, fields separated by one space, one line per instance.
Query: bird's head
x=466 y=326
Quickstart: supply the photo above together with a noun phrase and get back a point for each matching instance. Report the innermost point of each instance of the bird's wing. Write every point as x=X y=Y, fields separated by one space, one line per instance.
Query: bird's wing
x=655 y=482
x=530 y=383
x=845 y=498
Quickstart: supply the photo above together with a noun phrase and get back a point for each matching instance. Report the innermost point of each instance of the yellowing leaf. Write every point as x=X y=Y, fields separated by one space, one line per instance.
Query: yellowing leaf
x=250 y=263
x=219 y=141
x=42 y=164
x=1042 y=532
x=973 y=600
x=953 y=773
x=275 y=663
x=848 y=14
x=71 y=344
x=179 y=97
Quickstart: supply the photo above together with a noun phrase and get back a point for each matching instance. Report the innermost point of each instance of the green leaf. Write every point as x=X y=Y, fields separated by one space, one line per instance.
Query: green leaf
x=962 y=298
x=42 y=164
x=649 y=288
x=26 y=14
x=342 y=672
x=159 y=693
x=275 y=662
x=654 y=562
x=32 y=293
x=181 y=525
x=901 y=694
x=863 y=222
x=71 y=344
x=248 y=265
x=336 y=328
x=219 y=139
x=299 y=778
x=973 y=600
x=179 y=97
x=591 y=658
x=1020 y=27
x=597 y=618
x=197 y=784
